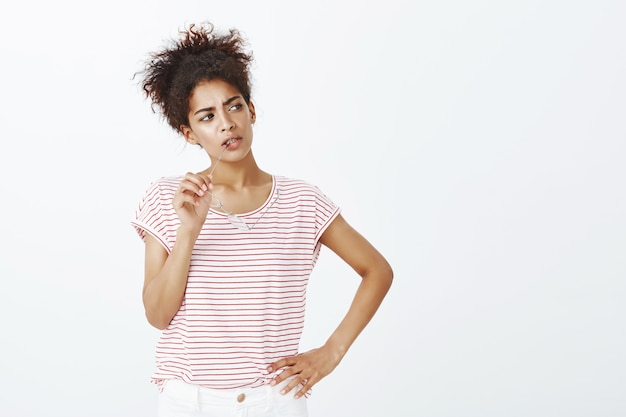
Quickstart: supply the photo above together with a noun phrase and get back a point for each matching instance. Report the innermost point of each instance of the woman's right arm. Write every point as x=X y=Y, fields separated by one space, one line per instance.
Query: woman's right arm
x=166 y=274
x=166 y=277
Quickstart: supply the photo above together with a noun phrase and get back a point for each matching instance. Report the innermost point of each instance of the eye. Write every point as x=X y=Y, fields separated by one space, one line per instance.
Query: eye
x=235 y=107
x=208 y=117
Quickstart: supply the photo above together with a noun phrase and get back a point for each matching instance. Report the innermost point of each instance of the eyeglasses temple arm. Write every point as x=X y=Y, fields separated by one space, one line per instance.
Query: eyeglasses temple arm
x=219 y=158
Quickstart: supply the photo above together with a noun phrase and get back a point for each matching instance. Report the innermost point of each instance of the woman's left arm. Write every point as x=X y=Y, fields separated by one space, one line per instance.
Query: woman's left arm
x=376 y=276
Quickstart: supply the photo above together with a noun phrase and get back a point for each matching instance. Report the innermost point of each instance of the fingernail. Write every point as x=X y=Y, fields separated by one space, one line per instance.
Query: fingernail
x=283 y=392
x=204 y=187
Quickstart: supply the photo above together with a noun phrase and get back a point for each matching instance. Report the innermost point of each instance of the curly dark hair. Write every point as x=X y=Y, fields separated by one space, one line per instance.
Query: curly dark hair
x=170 y=75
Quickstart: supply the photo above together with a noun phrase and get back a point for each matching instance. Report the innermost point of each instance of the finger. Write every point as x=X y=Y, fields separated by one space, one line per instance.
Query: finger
x=281 y=363
x=185 y=198
x=207 y=181
x=287 y=373
x=190 y=193
x=297 y=381
x=307 y=384
x=196 y=183
x=191 y=188
x=204 y=181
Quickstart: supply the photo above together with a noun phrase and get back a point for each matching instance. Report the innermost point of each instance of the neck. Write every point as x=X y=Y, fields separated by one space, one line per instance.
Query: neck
x=240 y=174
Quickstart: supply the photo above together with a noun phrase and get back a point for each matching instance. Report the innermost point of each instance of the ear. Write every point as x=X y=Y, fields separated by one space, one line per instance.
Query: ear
x=188 y=134
x=252 y=112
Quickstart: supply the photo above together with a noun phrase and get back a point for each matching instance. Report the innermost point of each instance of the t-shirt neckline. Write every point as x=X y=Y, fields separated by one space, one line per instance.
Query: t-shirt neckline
x=267 y=201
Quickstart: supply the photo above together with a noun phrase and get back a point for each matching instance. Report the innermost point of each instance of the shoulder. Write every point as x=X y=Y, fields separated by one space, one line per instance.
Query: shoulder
x=304 y=193
x=161 y=190
x=289 y=185
x=168 y=181
x=165 y=185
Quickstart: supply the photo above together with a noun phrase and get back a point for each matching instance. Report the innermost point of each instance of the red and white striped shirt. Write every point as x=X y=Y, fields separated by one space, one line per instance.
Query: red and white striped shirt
x=245 y=298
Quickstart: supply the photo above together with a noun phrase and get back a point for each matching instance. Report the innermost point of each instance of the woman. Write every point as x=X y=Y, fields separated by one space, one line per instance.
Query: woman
x=229 y=250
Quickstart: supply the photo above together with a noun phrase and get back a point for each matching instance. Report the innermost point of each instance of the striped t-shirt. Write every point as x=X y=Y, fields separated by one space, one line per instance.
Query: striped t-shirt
x=245 y=297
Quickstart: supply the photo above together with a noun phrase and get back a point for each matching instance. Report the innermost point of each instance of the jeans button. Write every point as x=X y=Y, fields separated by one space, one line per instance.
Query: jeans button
x=241 y=397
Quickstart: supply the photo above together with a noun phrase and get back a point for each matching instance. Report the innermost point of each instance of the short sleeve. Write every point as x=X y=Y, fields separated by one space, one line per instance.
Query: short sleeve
x=325 y=212
x=150 y=215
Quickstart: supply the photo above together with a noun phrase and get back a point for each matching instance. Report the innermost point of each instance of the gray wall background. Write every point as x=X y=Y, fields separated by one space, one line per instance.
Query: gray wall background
x=479 y=145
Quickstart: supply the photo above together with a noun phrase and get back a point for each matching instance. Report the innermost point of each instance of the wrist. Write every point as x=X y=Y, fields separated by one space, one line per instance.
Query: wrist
x=336 y=349
x=187 y=233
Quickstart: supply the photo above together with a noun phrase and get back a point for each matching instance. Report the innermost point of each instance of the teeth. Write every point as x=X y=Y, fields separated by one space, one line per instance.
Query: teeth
x=229 y=141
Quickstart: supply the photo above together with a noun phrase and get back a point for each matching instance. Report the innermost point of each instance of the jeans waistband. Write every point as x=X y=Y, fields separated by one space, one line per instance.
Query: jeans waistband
x=226 y=397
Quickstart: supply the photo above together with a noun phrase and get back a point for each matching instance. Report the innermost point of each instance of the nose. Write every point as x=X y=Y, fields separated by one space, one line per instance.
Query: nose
x=227 y=123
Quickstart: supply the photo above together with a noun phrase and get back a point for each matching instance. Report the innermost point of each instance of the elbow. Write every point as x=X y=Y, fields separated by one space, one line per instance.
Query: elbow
x=158 y=324
x=387 y=275
x=157 y=321
x=156 y=313
x=382 y=275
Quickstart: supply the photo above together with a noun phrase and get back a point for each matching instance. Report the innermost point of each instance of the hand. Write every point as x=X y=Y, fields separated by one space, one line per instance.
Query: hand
x=192 y=200
x=309 y=368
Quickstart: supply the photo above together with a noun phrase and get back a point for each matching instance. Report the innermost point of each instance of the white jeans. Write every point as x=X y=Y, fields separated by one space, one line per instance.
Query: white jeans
x=180 y=399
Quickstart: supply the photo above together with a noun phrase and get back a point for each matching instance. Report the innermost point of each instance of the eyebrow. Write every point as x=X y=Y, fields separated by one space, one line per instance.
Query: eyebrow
x=226 y=103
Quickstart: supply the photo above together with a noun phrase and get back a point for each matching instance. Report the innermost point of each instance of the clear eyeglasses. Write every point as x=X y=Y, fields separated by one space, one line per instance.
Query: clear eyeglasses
x=235 y=220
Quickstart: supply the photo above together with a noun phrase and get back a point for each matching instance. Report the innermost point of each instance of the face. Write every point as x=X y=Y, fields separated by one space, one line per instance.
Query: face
x=219 y=117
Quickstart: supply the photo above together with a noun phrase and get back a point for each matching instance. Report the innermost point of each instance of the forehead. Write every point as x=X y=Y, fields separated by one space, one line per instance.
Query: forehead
x=212 y=92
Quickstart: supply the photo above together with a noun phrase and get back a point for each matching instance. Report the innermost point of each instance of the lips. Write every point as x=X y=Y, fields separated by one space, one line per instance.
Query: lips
x=230 y=141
